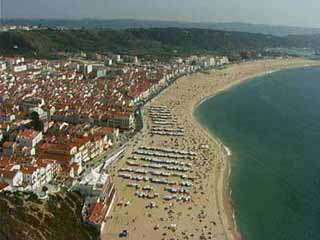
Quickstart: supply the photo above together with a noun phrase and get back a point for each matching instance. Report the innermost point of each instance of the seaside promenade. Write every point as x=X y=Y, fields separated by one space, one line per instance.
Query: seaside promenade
x=208 y=214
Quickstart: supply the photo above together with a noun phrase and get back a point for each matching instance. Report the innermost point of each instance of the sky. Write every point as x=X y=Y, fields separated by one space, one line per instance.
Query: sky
x=277 y=12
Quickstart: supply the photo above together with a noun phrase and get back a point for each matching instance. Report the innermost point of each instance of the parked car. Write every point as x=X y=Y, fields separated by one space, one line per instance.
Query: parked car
x=123 y=234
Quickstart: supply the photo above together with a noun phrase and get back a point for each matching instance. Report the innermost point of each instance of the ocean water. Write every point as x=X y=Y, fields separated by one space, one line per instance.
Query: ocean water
x=272 y=126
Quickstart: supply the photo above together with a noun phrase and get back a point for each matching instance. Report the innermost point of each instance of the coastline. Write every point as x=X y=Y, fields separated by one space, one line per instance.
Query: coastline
x=183 y=97
x=225 y=190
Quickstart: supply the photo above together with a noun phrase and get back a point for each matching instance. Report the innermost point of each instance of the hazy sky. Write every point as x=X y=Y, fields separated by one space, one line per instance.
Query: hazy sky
x=284 y=12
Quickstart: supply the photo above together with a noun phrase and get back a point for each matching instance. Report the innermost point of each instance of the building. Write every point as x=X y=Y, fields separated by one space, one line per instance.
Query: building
x=63 y=154
x=29 y=173
x=29 y=138
x=3 y=97
x=100 y=72
x=212 y=61
x=38 y=175
x=12 y=177
x=4 y=186
x=7 y=117
x=109 y=62
x=3 y=65
x=20 y=68
x=111 y=133
x=30 y=103
x=8 y=148
x=121 y=120
x=100 y=192
x=41 y=113
x=86 y=68
x=118 y=58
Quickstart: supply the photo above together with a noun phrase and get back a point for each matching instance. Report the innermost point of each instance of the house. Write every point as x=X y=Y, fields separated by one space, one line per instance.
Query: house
x=4 y=127
x=212 y=61
x=63 y=154
x=121 y=120
x=111 y=134
x=4 y=186
x=28 y=174
x=3 y=65
x=100 y=72
x=83 y=145
x=96 y=213
x=101 y=188
x=3 y=97
x=8 y=148
x=6 y=117
x=79 y=150
x=75 y=170
x=29 y=138
x=42 y=114
x=31 y=102
x=12 y=177
x=97 y=146
x=40 y=174
x=48 y=170
x=86 y=68
x=20 y=68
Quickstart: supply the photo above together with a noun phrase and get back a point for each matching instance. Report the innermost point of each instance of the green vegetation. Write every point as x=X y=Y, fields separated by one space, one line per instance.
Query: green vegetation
x=155 y=41
x=25 y=217
x=36 y=123
x=161 y=42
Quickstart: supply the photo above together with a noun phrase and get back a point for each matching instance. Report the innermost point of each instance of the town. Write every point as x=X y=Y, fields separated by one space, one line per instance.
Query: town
x=63 y=122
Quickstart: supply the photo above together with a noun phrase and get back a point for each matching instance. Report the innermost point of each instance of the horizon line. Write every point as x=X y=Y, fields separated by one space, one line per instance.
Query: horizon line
x=158 y=20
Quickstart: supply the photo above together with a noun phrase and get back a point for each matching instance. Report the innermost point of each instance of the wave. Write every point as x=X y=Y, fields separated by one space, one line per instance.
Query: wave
x=228 y=151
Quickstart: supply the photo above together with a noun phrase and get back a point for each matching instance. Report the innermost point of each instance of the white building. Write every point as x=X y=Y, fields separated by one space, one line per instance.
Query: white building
x=13 y=177
x=37 y=176
x=118 y=58
x=20 y=68
x=88 y=69
x=212 y=61
x=3 y=66
x=109 y=62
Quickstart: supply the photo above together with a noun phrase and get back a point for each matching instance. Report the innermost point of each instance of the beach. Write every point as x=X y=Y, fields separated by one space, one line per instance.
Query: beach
x=209 y=213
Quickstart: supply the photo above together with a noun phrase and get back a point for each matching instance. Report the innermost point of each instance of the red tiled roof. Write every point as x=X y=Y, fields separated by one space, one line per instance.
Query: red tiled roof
x=106 y=130
x=97 y=212
x=7 y=144
x=28 y=169
x=8 y=174
x=27 y=133
x=120 y=114
x=3 y=185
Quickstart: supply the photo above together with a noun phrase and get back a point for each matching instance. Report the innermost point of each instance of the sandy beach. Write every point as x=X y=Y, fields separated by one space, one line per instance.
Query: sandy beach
x=204 y=210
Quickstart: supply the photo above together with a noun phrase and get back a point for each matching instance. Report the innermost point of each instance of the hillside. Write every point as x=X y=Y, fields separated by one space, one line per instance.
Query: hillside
x=160 y=41
x=24 y=217
x=135 y=23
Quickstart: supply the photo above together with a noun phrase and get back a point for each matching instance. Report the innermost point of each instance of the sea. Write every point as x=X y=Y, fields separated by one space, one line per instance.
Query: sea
x=271 y=124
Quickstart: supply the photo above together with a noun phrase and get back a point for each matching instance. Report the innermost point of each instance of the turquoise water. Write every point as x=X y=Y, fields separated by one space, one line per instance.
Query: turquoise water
x=272 y=126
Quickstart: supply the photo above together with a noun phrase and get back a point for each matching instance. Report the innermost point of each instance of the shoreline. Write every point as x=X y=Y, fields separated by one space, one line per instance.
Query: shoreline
x=226 y=152
x=212 y=193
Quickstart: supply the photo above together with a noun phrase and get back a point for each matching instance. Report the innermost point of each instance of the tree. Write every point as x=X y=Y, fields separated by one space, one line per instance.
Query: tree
x=44 y=189
x=36 y=123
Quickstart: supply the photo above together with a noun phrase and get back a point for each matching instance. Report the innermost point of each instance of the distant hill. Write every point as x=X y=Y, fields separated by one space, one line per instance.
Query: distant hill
x=155 y=41
x=163 y=42
x=131 y=23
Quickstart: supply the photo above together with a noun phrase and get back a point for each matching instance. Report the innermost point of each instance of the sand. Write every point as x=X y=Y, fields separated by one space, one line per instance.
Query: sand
x=210 y=214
